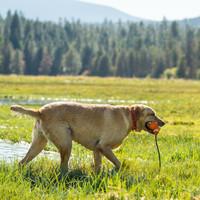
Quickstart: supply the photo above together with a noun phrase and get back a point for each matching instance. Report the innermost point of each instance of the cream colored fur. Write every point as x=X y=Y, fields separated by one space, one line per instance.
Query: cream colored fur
x=99 y=128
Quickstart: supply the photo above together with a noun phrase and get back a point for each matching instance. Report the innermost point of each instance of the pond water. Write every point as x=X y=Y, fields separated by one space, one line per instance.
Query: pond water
x=10 y=151
x=42 y=101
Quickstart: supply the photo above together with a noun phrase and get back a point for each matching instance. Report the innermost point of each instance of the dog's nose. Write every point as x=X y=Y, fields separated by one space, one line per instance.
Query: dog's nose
x=161 y=123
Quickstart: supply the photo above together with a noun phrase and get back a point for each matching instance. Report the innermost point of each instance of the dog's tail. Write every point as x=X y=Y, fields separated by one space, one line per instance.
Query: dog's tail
x=26 y=111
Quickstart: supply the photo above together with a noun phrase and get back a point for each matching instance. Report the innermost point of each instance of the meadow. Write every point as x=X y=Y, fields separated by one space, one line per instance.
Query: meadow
x=176 y=101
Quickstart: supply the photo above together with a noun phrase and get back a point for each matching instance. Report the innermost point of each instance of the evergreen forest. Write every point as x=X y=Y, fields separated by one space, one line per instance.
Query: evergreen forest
x=164 y=49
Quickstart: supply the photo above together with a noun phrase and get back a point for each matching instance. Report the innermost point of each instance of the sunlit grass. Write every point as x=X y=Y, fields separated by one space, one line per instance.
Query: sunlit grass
x=176 y=101
x=139 y=177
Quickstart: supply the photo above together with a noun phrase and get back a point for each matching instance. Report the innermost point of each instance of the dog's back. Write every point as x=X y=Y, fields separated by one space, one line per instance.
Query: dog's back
x=88 y=123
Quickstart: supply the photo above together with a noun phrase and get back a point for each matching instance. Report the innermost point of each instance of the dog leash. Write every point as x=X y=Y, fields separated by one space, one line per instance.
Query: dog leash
x=134 y=127
x=157 y=147
x=155 y=130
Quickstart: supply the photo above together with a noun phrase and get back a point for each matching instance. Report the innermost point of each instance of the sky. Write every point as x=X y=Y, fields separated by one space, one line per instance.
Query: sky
x=155 y=9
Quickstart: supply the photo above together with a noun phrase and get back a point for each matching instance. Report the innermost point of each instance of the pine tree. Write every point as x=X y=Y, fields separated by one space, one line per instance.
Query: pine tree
x=122 y=69
x=7 y=24
x=95 y=62
x=174 y=30
x=57 y=62
x=71 y=63
x=29 y=57
x=7 y=54
x=16 y=32
x=45 y=62
x=18 y=63
x=158 y=69
x=104 y=66
x=181 y=71
x=132 y=64
x=190 y=54
x=86 y=58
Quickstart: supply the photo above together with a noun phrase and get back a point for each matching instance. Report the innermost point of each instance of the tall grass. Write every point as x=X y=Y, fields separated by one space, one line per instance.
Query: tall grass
x=176 y=101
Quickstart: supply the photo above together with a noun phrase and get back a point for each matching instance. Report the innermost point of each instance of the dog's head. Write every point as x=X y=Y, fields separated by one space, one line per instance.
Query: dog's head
x=144 y=115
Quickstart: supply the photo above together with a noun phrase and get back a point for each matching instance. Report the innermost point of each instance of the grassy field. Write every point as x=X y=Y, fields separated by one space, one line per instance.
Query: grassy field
x=176 y=101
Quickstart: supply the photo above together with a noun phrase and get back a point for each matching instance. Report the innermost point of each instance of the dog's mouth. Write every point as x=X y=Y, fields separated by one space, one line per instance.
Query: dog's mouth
x=148 y=129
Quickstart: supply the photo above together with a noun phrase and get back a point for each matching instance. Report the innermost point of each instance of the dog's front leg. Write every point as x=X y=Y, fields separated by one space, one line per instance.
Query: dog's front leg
x=107 y=152
x=97 y=160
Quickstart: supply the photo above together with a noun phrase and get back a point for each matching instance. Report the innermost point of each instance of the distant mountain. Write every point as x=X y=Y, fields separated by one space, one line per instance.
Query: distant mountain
x=191 y=21
x=48 y=10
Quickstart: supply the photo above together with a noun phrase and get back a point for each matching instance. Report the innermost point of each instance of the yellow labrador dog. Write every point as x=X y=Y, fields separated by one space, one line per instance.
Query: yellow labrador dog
x=99 y=128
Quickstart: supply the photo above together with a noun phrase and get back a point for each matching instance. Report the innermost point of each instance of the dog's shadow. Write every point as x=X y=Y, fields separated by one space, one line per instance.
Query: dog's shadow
x=78 y=178
x=74 y=178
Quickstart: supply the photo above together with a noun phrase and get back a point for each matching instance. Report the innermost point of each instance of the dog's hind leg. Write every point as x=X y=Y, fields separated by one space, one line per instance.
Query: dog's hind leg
x=61 y=137
x=38 y=143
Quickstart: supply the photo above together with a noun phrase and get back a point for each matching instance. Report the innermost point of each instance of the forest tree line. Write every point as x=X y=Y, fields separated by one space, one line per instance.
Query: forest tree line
x=129 y=49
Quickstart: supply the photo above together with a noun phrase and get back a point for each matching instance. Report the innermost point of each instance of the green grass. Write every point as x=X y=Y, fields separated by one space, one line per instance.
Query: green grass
x=176 y=101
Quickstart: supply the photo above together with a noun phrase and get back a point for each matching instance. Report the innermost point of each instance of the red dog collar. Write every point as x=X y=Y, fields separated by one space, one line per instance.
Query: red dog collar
x=134 y=119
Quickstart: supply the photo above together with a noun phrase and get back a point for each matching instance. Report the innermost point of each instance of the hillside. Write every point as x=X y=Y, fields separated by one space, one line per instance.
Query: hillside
x=192 y=21
x=70 y=9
